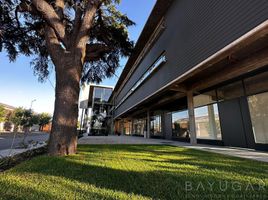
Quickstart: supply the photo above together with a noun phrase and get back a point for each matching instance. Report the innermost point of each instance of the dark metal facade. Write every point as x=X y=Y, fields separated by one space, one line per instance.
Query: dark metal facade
x=194 y=31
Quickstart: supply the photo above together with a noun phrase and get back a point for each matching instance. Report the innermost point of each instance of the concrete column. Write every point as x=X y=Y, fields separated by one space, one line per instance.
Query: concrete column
x=82 y=120
x=212 y=122
x=147 y=135
x=190 y=101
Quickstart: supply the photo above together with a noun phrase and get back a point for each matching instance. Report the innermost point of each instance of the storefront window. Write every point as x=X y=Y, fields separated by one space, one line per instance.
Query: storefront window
x=180 y=124
x=139 y=127
x=127 y=127
x=207 y=122
x=258 y=106
x=156 y=129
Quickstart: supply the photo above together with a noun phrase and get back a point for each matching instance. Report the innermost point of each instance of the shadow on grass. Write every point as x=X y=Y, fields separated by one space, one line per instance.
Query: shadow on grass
x=10 y=191
x=166 y=180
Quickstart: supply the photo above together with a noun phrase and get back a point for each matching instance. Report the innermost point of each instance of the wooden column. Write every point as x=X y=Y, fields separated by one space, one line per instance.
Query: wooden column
x=190 y=101
x=147 y=135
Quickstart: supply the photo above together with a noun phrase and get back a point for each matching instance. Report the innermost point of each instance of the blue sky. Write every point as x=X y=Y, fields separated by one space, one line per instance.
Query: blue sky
x=18 y=85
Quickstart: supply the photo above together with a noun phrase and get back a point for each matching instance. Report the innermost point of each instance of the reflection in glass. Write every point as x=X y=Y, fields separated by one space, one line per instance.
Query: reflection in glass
x=127 y=127
x=139 y=127
x=180 y=124
x=258 y=106
x=102 y=94
x=207 y=122
x=156 y=129
x=100 y=111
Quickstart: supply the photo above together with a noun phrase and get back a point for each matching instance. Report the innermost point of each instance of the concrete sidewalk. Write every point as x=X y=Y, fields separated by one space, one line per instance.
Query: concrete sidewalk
x=237 y=152
x=12 y=152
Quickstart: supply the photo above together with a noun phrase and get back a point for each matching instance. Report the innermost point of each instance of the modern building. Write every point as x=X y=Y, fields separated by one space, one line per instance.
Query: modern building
x=199 y=74
x=95 y=109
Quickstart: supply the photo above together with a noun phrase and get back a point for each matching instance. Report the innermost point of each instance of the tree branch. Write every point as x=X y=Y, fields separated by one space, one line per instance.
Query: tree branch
x=59 y=4
x=77 y=21
x=25 y=6
x=53 y=45
x=90 y=11
x=52 y=19
x=95 y=52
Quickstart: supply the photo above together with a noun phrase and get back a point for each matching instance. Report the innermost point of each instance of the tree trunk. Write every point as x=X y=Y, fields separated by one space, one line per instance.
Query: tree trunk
x=63 y=137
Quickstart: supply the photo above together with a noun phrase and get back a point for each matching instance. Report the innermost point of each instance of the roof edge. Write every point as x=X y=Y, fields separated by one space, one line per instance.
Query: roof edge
x=159 y=10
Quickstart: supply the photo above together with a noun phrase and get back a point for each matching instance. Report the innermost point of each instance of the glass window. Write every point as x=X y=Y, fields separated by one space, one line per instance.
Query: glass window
x=102 y=94
x=107 y=94
x=207 y=122
x=157 y=64
x=257 y=84
x=127 y=127
x=231 y=91
x=156 y=129
x=205 y=98
x=139 y=126
x=180 y=124
x=97 y=94
x=258 y=106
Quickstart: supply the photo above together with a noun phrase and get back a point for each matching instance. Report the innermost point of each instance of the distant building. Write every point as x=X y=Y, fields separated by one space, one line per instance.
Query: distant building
x=7 y=107
x=95 y=107
x=6 y=126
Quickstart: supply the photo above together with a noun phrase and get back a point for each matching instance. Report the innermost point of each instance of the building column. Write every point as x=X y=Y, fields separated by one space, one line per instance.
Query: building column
x=147 y=135
x=190 y=101
x=212 y=122
x=82 y=120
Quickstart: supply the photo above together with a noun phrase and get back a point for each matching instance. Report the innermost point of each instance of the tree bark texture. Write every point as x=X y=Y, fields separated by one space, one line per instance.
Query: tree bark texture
x=63 y=138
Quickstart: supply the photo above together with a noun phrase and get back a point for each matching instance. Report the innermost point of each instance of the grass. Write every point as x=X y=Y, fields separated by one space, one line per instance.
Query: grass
x=136 y=172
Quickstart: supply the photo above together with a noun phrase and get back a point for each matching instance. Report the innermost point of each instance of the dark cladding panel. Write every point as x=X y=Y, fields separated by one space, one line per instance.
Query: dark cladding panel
x=195 y=30
x=147 y=62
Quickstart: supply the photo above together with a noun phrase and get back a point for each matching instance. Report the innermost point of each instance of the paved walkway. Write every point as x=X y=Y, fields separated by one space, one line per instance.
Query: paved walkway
x=237 y=152
x=6 y=139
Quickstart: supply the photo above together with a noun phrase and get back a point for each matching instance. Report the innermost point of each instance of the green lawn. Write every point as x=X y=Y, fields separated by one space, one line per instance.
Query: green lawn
x=136 y=172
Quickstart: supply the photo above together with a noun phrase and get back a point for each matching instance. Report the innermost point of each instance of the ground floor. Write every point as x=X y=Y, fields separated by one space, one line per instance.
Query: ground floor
x=232 y=113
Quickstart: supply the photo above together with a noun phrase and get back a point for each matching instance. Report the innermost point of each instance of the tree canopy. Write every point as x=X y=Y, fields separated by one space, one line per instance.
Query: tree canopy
x=24 y=117
x=44 y=119
x=2 y=114
x=23 y=31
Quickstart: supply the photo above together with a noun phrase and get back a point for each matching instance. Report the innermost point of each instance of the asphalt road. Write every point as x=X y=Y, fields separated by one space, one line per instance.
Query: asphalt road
x=7 y=138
